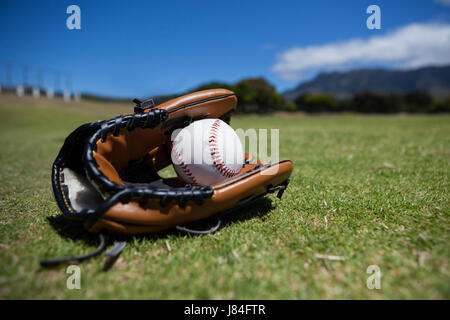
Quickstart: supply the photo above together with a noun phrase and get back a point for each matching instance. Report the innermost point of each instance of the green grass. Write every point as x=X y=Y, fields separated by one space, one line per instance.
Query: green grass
x=373 y=190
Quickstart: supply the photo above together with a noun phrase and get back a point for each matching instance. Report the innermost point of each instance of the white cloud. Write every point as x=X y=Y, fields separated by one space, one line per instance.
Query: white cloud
x=445 y=3
x=411 y=46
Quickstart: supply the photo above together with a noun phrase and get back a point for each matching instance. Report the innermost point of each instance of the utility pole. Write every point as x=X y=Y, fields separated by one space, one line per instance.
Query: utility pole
x=66 y=92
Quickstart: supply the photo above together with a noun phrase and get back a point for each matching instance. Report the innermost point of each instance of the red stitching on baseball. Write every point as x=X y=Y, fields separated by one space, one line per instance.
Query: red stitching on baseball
x=215 y=155
x=183 y=166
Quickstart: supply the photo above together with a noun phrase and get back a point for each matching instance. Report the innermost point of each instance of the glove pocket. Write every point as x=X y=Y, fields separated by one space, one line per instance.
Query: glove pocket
x=75 y=195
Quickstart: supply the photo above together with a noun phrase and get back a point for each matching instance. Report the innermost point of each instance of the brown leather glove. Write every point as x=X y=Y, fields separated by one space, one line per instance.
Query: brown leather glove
x=106 y=173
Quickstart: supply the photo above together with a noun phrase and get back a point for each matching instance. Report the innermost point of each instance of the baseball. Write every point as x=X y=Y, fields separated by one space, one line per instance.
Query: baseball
x=207 y=152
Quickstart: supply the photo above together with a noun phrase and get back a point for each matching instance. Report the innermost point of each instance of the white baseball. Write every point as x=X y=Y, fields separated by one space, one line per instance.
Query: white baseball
x=207 y=152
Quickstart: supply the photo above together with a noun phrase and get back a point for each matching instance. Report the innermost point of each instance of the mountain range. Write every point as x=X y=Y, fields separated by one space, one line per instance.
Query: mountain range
x=435 y=80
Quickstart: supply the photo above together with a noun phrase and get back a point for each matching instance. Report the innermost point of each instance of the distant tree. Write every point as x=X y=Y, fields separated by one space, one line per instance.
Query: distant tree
x=345 y=104
x=418 y=101
x=288 y=106
x=445 y=105
x=258 y=95
x=316 y=103
x=254 y=95
x=441 y=105
x=370 y=102
x=394 y=103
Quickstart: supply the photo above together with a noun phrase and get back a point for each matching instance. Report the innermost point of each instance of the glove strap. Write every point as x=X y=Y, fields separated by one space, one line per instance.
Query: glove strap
x=112 y=254
x=56 y=261
x=193 y=231
x=280 y=188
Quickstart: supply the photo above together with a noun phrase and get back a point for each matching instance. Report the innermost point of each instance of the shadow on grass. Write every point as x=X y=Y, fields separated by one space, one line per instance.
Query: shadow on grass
x=74 y=230
x=258 y=209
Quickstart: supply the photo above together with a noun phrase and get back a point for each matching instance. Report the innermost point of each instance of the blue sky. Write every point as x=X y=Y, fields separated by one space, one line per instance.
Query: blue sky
x=142 y=48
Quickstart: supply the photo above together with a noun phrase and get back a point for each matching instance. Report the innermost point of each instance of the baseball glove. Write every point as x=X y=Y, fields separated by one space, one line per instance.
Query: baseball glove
x=106 y=173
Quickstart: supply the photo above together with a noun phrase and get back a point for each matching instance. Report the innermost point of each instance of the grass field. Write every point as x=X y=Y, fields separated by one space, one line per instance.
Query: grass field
x=371 y=190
